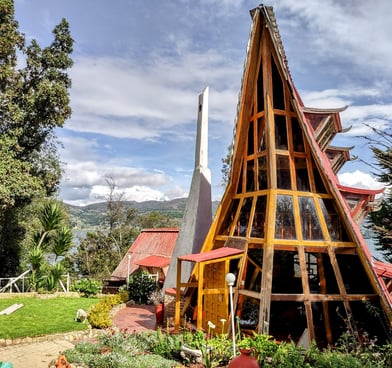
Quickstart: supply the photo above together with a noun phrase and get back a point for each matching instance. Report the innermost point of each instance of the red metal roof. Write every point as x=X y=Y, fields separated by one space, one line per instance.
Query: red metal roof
x=383 y=269
x=212 y=254
x=157 y=242
x=154 y=261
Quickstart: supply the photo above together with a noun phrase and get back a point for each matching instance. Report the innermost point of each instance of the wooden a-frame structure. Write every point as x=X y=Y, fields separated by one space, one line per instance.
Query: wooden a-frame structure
x=285 y=226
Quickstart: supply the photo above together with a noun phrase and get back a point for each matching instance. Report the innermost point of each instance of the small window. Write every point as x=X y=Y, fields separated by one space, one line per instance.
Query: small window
x=243 y=221
x=302 y=175
x=262 y=173
x=336 y=228
x=260 y=93
x=280 y=132
x=251 y=148
x=283 y=172
x=310 y=224
x=229 y=221
x=260 y=134
x=284 y=224
x=277 y=87
x=318 y=181
x=298 y=141
x=258 y=230
x=250 y=176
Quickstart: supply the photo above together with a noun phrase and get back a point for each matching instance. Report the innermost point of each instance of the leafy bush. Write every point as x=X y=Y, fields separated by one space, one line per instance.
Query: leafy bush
x=88 y=287
x=159 y=349
x=99 y=314
x=140 y=287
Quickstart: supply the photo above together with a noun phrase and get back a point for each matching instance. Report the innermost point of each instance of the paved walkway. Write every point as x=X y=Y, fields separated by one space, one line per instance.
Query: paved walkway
x=40 y=354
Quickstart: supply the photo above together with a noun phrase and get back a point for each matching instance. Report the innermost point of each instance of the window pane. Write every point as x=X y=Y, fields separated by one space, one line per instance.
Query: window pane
x=251 y=149
x=283 y=172
x=284 y=226
x=260 y=97
x=302 y=175
x=259 y=218
x=310 y=224
x=262 y=174
x=260 y=134
x=277 y=87
x=243 y=221
x=280 y=132
x=298 y=142
x=318 y=181
x=250 y=176
x=336 y=228
x=230 y=218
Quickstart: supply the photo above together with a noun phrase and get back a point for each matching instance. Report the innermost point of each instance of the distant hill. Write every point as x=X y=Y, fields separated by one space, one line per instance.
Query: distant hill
x=93 y=215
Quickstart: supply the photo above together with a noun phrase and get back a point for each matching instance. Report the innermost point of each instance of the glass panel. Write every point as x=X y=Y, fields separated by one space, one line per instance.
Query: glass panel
x=259 y=218
x=260 y=134
x=243 y=221
x=230 y=218
x=337 y=319
x=370 y=321
x=283 y=172
x=321 y=276
x=301 y=174
x=251 y=148
x=284 y=226
x=260 y=94
x=335 y=226
x=287 y=320
x=280 y=132
x=239 y=187
x=298 y=141
x=262 y=174
x=318 y=310
x=253 y=272
x=355 y=278
x=310 y=224
x=318 y=181
x=277 y=86
x=250 y=176
x=286 y=277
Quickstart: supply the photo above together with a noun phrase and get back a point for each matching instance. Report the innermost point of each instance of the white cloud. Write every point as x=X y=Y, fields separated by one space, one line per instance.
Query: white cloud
x=359 y=179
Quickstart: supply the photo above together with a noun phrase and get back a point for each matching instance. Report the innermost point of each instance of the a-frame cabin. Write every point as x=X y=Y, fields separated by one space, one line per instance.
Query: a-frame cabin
x=285 y=227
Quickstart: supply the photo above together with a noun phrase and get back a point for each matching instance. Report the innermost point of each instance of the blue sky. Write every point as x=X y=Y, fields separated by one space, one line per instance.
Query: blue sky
x=140 y=65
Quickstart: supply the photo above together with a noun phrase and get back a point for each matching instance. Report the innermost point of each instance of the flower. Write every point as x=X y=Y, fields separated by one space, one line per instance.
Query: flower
x=211 y=325
x=156 y=297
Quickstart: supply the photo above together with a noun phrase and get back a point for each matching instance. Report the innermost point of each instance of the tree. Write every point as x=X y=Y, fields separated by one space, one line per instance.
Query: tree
x=381 y=219
x=49 y=245
x=34 y=101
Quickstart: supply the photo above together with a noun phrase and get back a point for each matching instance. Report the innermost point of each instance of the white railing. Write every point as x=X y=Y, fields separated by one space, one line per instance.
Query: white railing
x=19 y=284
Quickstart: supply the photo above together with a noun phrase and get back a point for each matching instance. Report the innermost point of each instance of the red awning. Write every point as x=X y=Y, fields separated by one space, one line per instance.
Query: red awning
x=212 y=254
x=154 y=261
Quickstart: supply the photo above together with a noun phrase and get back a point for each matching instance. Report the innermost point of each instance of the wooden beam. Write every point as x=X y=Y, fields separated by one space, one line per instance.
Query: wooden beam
x=306 y=291
x=178 y=297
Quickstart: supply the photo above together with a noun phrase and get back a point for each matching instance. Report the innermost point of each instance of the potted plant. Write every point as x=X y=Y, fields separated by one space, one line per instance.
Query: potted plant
x=157 y=298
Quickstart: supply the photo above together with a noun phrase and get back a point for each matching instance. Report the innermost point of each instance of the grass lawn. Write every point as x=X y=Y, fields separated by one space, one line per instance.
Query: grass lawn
x=42 y=316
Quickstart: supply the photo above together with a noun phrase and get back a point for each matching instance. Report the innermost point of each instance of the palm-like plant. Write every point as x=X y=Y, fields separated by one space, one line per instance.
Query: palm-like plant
x=52 y=241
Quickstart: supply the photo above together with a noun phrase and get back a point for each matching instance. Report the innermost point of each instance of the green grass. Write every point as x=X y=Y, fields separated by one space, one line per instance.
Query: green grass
x=42 y=316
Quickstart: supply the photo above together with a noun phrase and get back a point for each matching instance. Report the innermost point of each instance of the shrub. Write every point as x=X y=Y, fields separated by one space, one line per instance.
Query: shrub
x=99 y=314
x=88 y=287
x=140 y=287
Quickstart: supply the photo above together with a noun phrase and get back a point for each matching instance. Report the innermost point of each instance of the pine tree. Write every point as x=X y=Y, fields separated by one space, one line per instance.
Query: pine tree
x=381 y=219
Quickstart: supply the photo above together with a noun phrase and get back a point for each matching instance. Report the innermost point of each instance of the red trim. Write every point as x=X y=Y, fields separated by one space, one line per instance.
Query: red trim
x=212 y=254
x=359 y=190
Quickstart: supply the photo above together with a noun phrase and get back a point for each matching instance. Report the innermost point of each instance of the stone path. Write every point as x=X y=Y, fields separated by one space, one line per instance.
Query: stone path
x=35 y=354
x=40 y=354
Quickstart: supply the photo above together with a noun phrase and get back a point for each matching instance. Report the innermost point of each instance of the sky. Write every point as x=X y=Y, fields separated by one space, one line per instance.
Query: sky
x=139 y=67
